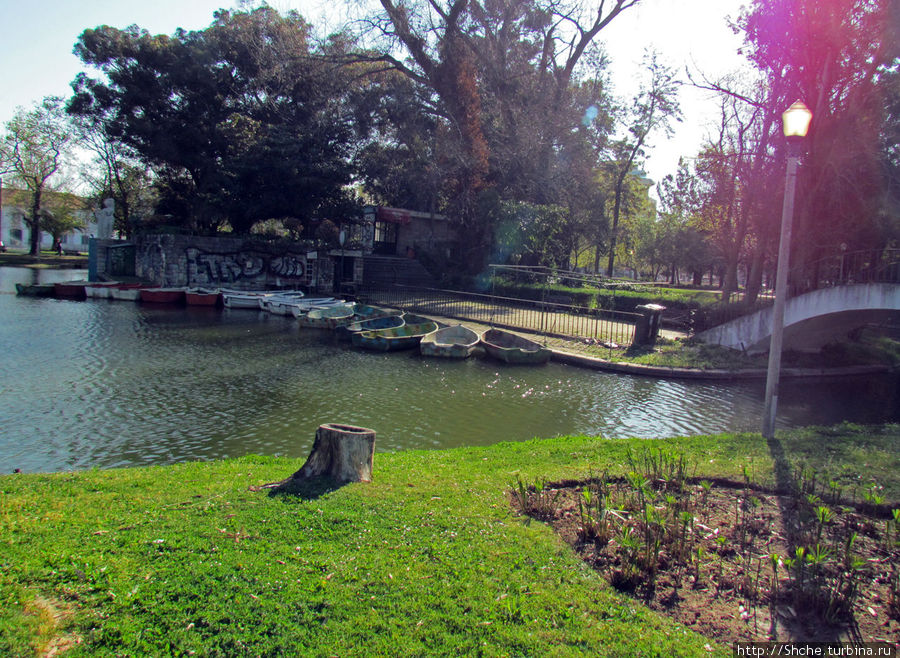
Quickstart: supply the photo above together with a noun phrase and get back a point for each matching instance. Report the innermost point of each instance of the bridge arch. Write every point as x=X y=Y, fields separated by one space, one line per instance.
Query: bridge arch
x=813 y=319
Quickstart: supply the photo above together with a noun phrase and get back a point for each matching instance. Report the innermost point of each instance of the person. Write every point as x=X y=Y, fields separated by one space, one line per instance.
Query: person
x=59 y=247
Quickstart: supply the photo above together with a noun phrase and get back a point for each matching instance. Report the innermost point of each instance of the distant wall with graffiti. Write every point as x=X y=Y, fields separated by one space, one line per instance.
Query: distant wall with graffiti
x=182 y=260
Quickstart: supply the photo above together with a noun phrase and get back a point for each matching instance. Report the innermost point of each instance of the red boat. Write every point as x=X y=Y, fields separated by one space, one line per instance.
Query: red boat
x=70 y=289
x=162 y=295
x=203 y=297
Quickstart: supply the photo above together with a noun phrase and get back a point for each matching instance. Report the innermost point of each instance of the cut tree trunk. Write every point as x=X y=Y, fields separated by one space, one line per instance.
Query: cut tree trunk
x=342 y=452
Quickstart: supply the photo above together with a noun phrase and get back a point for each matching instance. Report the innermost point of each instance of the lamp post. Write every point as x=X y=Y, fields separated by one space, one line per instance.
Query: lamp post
x=795 y=123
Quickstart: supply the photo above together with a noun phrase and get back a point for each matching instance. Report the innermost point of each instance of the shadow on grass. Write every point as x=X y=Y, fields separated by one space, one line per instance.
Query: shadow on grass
x=305 y=488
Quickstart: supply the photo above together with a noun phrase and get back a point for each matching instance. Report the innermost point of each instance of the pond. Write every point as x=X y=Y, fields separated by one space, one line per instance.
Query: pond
x=106 y=384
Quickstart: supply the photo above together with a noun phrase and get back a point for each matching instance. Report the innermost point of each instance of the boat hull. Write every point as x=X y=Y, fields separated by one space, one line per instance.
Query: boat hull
x=35 y=289
x=512 y=348
x=126 y=292
x=202 y=297
x=70 y=289
x=454 y=342
x=99 y=289
x=385 y=322
x=329 y=317
x=162 y=295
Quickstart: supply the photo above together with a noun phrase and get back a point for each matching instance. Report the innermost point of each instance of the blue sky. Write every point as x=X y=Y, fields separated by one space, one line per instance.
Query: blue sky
x=37 y=36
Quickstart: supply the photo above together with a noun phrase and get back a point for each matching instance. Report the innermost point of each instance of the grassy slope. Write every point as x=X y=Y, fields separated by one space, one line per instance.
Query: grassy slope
x=428 y=559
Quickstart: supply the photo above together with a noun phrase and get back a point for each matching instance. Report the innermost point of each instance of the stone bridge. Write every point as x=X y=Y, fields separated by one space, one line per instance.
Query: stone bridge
x=813 y=319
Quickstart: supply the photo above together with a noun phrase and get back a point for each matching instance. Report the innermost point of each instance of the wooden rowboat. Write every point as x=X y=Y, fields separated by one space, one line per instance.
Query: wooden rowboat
x=400 y=338
x=513 y=348
x=454 y=342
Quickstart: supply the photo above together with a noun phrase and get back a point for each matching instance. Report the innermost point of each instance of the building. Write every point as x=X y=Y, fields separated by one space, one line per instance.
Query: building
x=15 y=206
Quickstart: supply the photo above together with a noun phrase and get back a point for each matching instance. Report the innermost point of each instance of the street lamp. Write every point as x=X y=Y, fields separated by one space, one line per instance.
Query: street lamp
x=795 y=121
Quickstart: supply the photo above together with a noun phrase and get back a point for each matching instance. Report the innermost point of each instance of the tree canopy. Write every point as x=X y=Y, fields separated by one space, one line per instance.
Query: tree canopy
x=242 y=122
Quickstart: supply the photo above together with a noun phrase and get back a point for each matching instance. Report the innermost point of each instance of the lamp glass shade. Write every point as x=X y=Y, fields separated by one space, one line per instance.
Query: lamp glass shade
x=795 y=120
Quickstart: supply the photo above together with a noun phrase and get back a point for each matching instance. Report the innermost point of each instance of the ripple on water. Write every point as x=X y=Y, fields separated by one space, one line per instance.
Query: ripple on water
x=105 y=384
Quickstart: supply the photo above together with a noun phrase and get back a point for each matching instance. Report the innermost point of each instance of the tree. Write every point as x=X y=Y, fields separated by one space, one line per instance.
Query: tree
x=837 y=57
x=61 y=213
x=241 y=122
x=653 y=108
x=682 y=242
x=32 y=151
x=501 y=82
x=115 y=172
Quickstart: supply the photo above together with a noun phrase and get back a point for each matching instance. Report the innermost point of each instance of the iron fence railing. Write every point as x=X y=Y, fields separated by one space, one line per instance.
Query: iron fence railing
x=869 y=266
x=842 y=269
x=543 y=318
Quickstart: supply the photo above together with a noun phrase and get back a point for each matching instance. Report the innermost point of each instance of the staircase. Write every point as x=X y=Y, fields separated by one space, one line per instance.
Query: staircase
x=381 y=271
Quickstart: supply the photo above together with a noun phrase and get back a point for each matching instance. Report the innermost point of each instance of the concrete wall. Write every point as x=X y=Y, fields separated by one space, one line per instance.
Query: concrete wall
x=239 y=263
x=813 y=319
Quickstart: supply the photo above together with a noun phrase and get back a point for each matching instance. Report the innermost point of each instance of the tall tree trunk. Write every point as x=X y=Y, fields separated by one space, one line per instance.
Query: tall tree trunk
x=754 y=278
x=35 y=223
x=615 y=226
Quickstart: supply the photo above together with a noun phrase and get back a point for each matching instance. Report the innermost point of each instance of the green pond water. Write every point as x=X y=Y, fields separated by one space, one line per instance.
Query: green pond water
x=106 y=384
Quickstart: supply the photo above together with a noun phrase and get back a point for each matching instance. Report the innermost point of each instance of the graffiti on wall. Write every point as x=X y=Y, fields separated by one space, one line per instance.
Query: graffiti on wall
x=218 y=268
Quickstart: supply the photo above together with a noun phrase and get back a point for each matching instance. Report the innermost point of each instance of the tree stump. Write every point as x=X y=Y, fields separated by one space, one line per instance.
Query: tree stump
x=342 y=452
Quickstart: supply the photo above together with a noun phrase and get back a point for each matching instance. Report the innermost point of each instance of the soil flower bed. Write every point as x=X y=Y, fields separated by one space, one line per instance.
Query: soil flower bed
x=734 y=560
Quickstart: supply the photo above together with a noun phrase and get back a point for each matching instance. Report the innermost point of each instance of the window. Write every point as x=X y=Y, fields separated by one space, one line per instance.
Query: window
x=385 y=238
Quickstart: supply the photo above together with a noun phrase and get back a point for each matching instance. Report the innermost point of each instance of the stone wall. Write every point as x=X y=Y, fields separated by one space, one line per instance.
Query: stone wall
x=239 y=263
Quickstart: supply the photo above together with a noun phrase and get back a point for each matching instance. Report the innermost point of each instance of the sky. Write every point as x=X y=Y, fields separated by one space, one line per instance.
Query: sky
x=37 y=37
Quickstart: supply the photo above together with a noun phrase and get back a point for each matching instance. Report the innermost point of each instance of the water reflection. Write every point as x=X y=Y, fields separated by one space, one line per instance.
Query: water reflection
x=102 y=384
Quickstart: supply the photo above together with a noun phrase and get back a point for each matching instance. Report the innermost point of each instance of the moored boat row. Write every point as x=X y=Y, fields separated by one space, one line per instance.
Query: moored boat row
x=368 y=327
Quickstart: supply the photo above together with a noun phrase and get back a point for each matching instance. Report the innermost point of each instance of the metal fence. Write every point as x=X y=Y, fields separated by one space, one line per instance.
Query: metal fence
x=544 y=318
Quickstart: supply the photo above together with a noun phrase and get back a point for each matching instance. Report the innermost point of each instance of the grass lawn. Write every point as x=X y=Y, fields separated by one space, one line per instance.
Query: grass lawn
x=429 y=559
x=868 y=348
x=47 y=260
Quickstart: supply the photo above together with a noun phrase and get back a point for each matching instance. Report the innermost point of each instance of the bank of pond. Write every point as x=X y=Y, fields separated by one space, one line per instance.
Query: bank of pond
x=367 y=327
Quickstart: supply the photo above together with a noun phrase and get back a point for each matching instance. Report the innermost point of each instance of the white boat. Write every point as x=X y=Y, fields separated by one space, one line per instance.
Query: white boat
x=244 y=298
x=281 y=303
x=99 y=289
x=127 y=292
x=308 y=304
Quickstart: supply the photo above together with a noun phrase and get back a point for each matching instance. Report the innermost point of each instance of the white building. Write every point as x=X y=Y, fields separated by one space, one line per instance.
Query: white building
x=16 y=234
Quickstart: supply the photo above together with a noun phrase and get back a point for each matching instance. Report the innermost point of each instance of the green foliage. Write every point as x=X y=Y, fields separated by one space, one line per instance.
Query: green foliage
x=615 y=296
x=242 y=122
